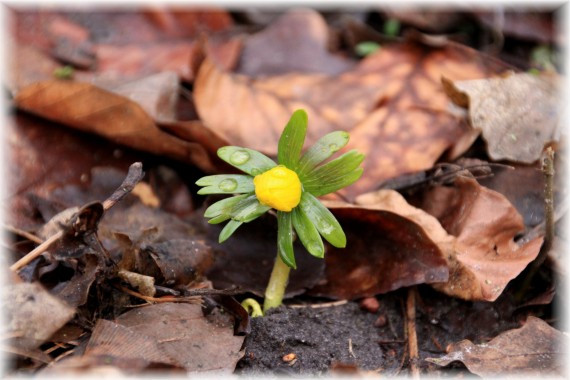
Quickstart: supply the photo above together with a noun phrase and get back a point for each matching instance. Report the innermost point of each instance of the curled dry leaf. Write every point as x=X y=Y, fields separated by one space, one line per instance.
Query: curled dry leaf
x=92 y=109
x=392 y=104
x=536 y=349
x=33 y=314
x=485 y=255
x=517 y=114
x=389 y=249
x=294 y=42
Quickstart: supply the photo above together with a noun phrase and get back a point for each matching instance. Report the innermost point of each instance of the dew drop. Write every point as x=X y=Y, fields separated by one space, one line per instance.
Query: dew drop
x=324 y=227
x=254 y=172
x=239 y=157
x=315 y=247
x=333 y=147
x=228 y=184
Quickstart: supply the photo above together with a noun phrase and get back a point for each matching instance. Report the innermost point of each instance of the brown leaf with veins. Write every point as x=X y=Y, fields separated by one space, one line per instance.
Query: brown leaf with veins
x=536 y=349
x=392 y=103
x=485 y=225
x=92 y=109
x=185 y=337
x=388 y=247
x=517 y=115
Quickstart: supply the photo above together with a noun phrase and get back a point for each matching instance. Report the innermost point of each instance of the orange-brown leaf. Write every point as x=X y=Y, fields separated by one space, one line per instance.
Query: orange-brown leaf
x=92 y=109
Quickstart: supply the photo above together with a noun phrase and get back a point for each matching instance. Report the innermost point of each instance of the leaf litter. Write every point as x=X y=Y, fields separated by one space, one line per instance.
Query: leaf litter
x=151 y=257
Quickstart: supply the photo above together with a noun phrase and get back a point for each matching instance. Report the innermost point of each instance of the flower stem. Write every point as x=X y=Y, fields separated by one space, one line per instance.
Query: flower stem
x=277 y=284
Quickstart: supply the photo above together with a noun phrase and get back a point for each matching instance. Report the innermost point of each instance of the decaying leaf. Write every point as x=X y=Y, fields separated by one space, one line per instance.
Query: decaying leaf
x=33 y=314
x=92 y=109
x=385 y=251
x=391 y=102
x=485 y=224
x=536 y=349
x=172 y=333
x=295 y=42
x=517 y=114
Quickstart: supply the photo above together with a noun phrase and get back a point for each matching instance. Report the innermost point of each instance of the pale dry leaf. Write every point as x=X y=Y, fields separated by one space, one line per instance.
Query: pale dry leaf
x=536 y=349
x=182 y=333
x=33 y=314
x=517 y=114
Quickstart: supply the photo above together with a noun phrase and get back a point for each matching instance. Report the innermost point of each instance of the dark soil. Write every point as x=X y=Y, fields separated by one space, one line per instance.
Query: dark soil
x=332 y=338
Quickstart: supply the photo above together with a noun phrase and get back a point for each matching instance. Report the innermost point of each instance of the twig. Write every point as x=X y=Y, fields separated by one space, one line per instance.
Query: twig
x=36 y=252
x=412 y=335
x=134 y=176
x=193 y=299
x=25 y=234
x=549 y=219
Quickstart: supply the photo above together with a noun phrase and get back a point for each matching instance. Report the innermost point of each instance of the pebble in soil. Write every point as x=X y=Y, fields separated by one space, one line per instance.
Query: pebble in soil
x=321 y=339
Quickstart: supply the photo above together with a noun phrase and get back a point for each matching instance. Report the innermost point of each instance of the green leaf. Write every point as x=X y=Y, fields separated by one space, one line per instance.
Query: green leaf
x=325 y=147
x=223 y=207
x=334 y=175
x=247 y=160
x=248 y=209
x=323 y=220
x=226 y=184
x=292 y=139
x=308 y=233
x=285 y=239
x=228 y=230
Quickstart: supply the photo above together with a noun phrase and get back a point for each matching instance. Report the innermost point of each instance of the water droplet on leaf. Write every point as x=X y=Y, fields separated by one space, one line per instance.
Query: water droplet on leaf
x=228 y=184
x=239 y=157
x=333 y=147
x=315 y=247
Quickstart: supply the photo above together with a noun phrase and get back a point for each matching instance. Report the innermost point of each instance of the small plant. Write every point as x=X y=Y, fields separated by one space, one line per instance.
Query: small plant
x=291 y=187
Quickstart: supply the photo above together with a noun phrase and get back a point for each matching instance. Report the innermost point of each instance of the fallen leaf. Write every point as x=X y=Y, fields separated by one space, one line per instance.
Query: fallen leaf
x=91 y=109
x=485 y=255
x=392 y=103
x=182 y=335
x=386 y=250
x=180 y=261
x=517 y=114
x=33 y=314
x=295 y=42
x=536 y=349
x=523 y=186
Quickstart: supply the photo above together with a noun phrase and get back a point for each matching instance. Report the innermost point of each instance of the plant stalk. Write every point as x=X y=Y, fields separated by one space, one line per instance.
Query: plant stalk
x=277 y=284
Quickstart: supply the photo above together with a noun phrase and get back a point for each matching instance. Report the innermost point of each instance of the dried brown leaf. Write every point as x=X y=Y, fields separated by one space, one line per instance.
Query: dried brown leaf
x=388 y=248
x=485 y=224
x=517 y=115
x=536 y=349
x=392 y=103
x=92 y=109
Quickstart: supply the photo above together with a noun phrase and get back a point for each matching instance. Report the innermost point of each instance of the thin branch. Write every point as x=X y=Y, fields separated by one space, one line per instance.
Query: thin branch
x=134 y=176
x=412 y=335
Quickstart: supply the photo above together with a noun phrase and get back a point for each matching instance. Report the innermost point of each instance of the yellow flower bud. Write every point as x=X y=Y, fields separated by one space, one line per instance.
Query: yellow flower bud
x=279 y=188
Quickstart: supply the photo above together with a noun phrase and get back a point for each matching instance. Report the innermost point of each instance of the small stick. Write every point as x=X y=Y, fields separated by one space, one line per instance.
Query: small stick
x=549 y=218
x=412 y=335
x=134 y=176
x=22 y=233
